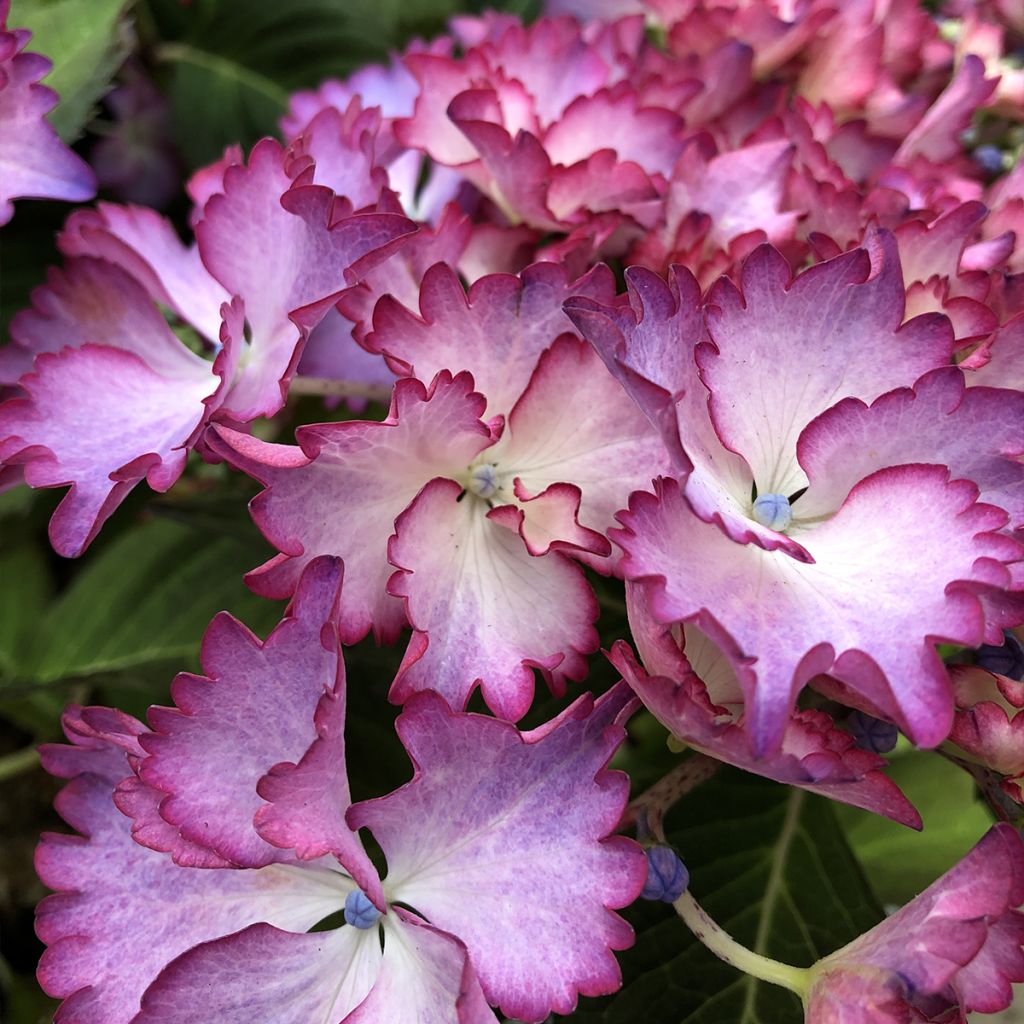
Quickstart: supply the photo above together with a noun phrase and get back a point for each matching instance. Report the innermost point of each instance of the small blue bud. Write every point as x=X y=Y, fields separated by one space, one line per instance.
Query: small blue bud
x=667 y=877
x=1007 y=660
x=990 y=159
x=359 y=911
x=483 y=481
x=773 y=511
x=871 y=733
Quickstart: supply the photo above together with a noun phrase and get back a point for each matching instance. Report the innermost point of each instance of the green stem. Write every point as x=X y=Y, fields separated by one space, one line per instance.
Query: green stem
x=726 y=948
x=182 y=53
x=18 y=762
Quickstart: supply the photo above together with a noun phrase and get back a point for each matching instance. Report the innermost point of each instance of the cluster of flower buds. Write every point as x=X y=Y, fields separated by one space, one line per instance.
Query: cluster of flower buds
x=797 y=437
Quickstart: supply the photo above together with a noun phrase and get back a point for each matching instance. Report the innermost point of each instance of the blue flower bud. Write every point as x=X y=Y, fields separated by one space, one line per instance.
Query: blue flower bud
x=990 y=159
x=871 y=733
x=667 y=877
x=1007 y=660
x=359 y=911
x=483 y=480
x=773 y=511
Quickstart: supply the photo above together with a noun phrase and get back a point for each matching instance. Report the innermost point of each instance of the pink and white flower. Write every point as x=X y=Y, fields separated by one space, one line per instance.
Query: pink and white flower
x=491 y=819
x=799 y=501
x=272 y=256
x=689 y=685
x=458 y=525
x=955 y=949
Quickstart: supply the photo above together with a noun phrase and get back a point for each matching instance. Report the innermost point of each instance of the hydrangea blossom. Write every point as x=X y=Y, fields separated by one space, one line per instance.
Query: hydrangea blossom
x=460 y=525
x=956 y=947
x=771 y=401
x=257 y=851
x=95 y=340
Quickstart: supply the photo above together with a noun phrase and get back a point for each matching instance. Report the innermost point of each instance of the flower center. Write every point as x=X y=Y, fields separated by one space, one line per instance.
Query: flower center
x=484 y=481
x=773 y=511
x=359 y=911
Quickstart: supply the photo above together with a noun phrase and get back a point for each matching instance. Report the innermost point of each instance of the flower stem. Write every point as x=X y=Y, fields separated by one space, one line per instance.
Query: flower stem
x=726 y=948
x=647 y=812
x=18 y=762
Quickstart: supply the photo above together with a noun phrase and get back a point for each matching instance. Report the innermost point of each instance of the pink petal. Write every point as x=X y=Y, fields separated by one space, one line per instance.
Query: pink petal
x=999 y=363
x=937 y=135
x=741 y=190
x=146 y=245
x=484 y=610
x=978 y=433
x=574 y=424
x=814 y=754
x=987 y=726
x=341 y=144
x=401 y=275
x=440 y=80
x=208 y=753
x=425 y=978
x=497 y=331
x=341 y=491
x=835 y=328
x=502 y=826
x=961 y=936
x=35 y=162
x=929 y=575
x=616 y=119
x=92 y=300
x=307 y=259
x=122 y=911
x=64 y=433
x=262 y=975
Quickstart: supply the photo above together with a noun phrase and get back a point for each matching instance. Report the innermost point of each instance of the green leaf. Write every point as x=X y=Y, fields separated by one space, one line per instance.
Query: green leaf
x=26 y=592
x=146 y=598
x=87 y=40
x=899 y=862
x=234 y=63
x=770 y=865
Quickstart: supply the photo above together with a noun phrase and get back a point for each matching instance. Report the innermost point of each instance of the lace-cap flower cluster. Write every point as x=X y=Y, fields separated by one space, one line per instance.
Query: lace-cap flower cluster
x=796 y=437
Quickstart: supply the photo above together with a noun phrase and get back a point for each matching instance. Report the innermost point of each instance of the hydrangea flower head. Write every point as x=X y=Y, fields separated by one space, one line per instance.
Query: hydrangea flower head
x=813 y=389
x=459 y=525
x=954 y=948
x=235 y=857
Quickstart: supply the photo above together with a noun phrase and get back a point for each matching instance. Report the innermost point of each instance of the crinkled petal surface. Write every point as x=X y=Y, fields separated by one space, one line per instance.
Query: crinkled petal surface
x=65 y=433
x=341 y=492
x=264 y=975
x=253 y=709
x=33 y=160
x=978 y=433
x=901 y=565
x=497 y=331
x=962 y=935
x=786 y=349
x=147 y=246
x=575 y=424
x=501 y=826
x=484 y=609
x=122 y=912
x=306 y=258
x=814 y=753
